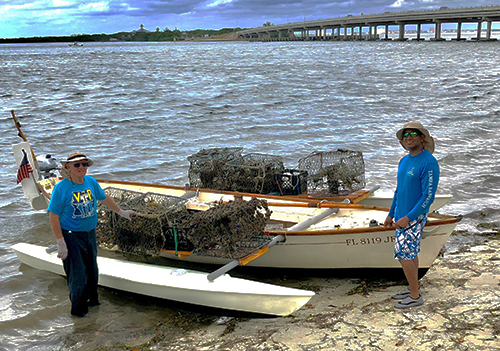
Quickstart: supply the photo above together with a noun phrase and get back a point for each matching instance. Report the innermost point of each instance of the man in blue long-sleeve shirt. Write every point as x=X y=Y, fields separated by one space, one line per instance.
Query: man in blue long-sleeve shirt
x=417 y=181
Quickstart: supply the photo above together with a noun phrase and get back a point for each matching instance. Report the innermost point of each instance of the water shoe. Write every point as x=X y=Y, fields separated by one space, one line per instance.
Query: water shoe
x=403 y=294
x=410 y=302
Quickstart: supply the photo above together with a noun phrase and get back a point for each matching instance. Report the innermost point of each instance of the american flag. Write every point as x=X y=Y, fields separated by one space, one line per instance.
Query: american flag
x=24 y=169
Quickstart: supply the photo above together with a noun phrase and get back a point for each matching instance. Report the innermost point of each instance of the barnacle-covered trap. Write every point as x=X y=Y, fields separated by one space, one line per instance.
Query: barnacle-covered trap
x=253 y=173
x=147 y=233
x=206 y=168
x=227 y=229
x=231 y=229
x=331 y=173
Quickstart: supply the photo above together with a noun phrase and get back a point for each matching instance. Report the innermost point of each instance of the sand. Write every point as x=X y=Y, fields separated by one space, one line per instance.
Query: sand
x=461 y=312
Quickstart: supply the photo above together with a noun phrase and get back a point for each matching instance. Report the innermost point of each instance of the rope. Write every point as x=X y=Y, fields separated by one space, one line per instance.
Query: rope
x=175 y=239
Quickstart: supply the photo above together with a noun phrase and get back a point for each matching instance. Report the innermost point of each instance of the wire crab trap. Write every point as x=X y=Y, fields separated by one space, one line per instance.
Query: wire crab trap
x=229 y=230
x=145 y=234
x=106 y=218
x=253 y=173
x=163 y=222
x=331 y=173
x=206 y=168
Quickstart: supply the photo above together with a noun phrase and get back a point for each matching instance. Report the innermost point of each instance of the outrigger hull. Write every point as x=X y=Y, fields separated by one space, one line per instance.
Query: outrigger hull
x=181 y=285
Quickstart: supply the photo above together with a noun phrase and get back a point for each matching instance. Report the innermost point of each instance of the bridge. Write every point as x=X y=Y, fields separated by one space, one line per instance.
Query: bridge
x=352 y=27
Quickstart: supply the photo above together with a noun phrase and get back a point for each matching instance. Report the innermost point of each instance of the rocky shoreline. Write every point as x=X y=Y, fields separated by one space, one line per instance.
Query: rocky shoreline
x=461 y=312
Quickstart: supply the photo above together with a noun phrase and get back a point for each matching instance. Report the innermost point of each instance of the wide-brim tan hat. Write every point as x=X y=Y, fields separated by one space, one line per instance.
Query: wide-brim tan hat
x=74 y=157
x=428 y=141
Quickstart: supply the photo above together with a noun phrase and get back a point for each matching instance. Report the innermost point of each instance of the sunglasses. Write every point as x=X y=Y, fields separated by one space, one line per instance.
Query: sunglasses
x=412 y=134
x=83 y=164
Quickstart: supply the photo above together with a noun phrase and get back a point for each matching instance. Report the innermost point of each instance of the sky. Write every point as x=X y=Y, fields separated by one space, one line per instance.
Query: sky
x=31 y=18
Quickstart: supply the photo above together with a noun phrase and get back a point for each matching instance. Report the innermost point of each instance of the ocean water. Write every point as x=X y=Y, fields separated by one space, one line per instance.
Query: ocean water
x=139 y=109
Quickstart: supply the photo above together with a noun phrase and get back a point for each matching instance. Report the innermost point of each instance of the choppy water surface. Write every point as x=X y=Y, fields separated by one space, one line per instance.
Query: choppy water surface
x=140 y=109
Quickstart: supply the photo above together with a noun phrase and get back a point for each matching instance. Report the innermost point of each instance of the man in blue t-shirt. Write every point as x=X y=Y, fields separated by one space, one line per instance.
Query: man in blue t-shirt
x=73 y=218
x=417 y=181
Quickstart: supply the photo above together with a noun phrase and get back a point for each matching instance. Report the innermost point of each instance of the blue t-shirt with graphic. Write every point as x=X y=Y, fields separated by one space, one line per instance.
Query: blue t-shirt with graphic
x=418 y=178
x=76 y=204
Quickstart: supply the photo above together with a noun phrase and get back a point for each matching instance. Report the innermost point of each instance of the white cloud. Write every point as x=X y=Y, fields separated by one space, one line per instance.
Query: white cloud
x=62 y=3
x=95 y=7
x=398 y=3
x=127 y=7
x=218 y=2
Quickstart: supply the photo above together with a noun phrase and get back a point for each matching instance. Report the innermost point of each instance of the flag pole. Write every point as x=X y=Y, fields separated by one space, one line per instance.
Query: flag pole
x=21 y=134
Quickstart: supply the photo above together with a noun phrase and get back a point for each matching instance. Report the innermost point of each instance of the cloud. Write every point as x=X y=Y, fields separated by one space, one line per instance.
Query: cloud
x=218 y=2
x=95 y=6
x=52 y=17
x=398 y=3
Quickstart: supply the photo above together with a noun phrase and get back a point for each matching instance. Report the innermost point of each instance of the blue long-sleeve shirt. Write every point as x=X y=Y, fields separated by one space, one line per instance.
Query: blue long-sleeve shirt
x=417 y=182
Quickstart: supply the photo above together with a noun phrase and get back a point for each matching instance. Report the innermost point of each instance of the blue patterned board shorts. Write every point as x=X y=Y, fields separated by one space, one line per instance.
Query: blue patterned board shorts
x=408 y=239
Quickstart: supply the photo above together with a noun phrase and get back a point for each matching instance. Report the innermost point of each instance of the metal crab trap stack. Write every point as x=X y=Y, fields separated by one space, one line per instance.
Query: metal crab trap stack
x=163 y=222
x=228 y=230
x=207 y=167
x=106 y=219
x=332 y=173
x=253 y=173
x=150 y=230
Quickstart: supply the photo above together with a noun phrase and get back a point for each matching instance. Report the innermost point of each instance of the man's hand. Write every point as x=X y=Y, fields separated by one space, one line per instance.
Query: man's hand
x=402 y=223
x=389 y=222
x=62 y=249
x=126 y=214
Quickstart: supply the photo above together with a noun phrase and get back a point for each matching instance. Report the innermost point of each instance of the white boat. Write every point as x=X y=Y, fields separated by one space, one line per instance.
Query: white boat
x=341 y=240
x=312 y=233
x=180 y=285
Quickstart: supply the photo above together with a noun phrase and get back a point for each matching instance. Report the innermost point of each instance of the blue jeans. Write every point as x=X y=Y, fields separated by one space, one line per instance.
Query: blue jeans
x=81 y=270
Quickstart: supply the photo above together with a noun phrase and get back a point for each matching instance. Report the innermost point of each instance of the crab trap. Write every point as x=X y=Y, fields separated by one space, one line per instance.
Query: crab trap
x=206 y=168
x=333 y=173
x=163 y=222
x=253 y=173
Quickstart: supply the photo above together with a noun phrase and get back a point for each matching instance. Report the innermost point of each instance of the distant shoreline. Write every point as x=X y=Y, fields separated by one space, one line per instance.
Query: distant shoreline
x=225 y=34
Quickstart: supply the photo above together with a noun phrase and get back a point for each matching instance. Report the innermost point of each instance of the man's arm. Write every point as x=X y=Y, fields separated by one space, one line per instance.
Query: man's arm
x=111 y=204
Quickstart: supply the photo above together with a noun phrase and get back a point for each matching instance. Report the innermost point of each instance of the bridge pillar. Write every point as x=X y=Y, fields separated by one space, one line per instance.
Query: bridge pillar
x=336 y=37
x=437 y=32
x=386 y=32
x=479 y=27
x=459 y=32
x=488 y=30
x=401 y=32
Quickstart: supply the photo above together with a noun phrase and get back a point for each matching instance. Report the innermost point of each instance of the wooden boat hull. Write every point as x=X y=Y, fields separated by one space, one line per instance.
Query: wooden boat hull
x=352 y=245
x=368 y=249
x=181 y=285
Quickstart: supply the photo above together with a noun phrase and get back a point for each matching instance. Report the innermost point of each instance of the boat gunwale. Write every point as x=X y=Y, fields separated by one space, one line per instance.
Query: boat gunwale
x=361 y=230
x=441 y=219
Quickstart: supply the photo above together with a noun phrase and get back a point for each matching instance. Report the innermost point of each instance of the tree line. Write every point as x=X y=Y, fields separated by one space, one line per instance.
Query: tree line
x=158 y=35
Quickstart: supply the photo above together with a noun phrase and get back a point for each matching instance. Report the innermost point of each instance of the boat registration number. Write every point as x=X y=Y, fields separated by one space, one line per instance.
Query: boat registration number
x=371 y=241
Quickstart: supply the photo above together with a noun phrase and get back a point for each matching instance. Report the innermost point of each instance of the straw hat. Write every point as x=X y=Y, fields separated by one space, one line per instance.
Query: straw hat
x=428 y=141
x=74 y=157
